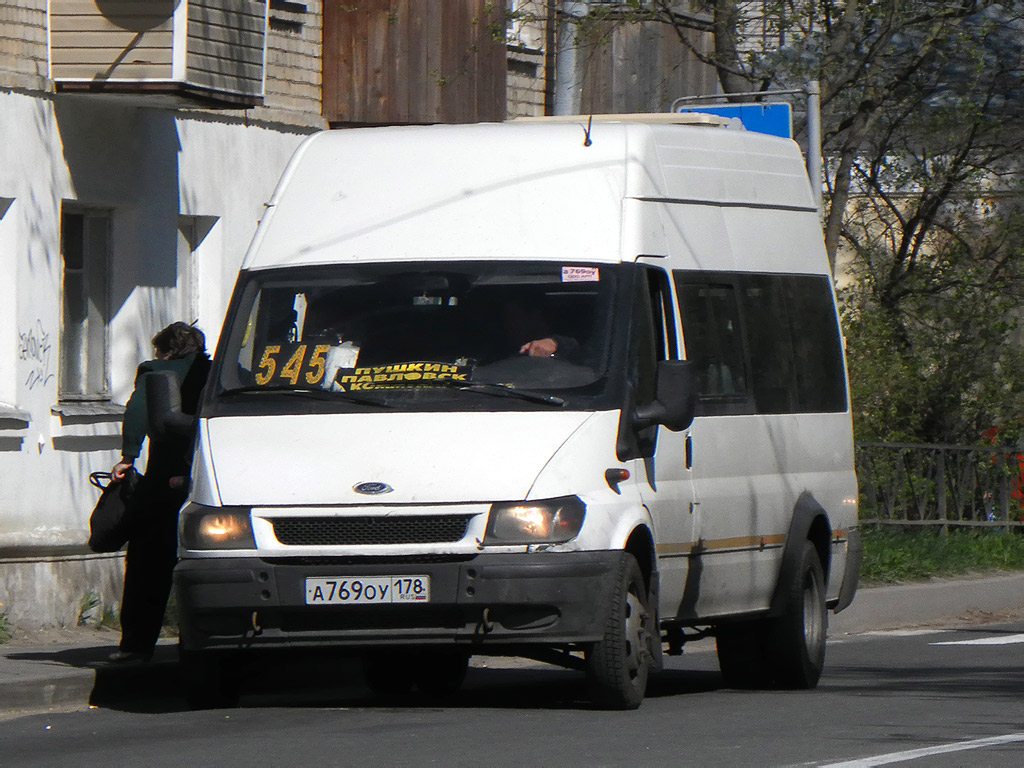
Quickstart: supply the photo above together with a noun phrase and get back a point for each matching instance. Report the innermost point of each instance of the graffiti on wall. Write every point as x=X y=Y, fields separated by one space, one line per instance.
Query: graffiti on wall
x=34 y=348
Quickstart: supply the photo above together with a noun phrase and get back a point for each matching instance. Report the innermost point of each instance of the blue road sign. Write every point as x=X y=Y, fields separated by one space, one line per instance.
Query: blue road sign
x=774 y=119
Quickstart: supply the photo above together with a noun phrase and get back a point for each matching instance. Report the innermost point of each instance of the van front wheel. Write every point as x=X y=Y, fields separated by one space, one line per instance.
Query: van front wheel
x=618 y=665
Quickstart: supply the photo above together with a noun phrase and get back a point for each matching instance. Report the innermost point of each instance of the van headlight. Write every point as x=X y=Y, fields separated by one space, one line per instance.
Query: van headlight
x=203 y=527
x=551 y=521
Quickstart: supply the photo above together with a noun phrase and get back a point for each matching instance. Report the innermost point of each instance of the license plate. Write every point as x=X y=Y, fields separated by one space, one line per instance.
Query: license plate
x=368 y=590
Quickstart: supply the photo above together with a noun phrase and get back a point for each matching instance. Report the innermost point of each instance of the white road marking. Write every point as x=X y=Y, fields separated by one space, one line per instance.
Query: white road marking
x=998 y=640
x=914 y=754
x=904 y=632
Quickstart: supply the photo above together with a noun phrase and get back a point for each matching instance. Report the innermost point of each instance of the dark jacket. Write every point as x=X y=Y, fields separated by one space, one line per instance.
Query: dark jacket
x=171 y=456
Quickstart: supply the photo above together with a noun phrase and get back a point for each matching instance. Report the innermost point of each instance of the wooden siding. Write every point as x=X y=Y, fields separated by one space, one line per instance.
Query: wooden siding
x=294 y=48
x=225 y=45
x=104 y=41
x=23 y=43
x=642 y=68
x=413 y=61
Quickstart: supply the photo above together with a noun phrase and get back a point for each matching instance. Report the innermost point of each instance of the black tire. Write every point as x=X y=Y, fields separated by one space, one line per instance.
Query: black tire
x=389 y=673
x=618 y=665
x=211 y=680
x=441 y=673
x=787 y=651
x=657 y=656
x=797 y=640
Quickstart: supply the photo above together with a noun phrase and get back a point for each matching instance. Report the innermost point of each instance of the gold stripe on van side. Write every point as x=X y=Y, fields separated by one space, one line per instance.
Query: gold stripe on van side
x=736 y=544
x=675 y=550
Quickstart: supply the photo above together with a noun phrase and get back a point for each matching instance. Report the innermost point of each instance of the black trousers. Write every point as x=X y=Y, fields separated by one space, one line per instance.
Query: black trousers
x=149 y=561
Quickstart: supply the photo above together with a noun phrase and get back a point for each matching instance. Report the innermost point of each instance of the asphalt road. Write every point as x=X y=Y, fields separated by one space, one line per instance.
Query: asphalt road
x=919 y=698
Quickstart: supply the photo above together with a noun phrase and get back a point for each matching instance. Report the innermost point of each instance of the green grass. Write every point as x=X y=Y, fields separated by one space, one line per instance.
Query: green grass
x=892 y=556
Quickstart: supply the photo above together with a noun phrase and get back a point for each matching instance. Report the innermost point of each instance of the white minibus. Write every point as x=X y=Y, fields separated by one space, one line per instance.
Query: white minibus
x=571 y=390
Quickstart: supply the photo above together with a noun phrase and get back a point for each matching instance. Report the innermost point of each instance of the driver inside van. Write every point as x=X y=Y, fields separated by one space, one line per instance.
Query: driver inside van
x=527 y=321
x=546 y=347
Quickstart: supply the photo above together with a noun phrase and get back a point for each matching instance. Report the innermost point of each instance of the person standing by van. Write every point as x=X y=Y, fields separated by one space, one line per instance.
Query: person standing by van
x=152 y=545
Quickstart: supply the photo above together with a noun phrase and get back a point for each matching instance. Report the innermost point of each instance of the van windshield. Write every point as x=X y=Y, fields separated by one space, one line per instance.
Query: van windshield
x=400 y=335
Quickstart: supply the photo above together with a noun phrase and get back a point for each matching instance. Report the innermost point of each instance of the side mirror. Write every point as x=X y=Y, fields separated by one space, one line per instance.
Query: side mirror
x=676 y=399
x=163 y=406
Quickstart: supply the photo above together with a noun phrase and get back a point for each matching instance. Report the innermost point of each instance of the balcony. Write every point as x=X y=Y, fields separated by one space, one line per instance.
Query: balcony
x=208 y=51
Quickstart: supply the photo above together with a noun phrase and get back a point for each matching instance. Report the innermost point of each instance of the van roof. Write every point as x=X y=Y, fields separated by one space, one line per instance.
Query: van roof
x=648 y=118
x=557 y=188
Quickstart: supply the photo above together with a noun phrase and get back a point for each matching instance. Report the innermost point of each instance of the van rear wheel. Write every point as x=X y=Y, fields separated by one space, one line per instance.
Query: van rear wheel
x=797 y=642
x=787 y=651
x=618 y=665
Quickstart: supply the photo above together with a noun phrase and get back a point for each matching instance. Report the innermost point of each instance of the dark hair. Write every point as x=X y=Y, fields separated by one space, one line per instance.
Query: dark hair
x=179 y=340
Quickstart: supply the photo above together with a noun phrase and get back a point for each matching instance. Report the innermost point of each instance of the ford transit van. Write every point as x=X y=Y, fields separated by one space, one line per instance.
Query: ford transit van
x=564 y=389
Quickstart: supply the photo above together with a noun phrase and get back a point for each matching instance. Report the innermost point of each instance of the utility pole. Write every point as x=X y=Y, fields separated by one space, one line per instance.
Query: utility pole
x=814 y=164
x=568 y=70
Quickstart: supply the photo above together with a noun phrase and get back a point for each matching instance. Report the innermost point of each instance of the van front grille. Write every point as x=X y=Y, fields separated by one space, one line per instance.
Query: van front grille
x=342 y=531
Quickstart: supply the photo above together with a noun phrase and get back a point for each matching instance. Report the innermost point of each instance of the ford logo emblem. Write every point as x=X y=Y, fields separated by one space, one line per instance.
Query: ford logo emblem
x=372 y=489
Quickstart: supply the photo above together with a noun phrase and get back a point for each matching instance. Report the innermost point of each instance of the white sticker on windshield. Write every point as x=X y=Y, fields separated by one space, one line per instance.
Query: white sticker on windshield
x=580 y=275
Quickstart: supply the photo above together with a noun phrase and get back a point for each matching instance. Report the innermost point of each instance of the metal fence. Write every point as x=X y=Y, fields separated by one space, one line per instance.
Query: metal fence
x=940 y=485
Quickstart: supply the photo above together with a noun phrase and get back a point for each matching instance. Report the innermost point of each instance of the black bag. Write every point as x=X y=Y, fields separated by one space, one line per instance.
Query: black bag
x=110 y=523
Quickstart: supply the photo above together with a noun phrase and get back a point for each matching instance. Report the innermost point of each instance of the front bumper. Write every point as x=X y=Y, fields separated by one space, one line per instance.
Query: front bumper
x=482 y=602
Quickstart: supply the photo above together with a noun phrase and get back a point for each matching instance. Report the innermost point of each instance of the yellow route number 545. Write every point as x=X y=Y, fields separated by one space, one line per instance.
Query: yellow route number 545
x=289 y=363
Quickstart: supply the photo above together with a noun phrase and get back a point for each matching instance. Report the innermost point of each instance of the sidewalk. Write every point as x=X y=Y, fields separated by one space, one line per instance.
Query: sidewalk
x=930 y=602
x=68 y=669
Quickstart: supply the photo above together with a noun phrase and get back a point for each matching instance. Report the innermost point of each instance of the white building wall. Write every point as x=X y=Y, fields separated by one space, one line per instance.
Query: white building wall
x=148 y=167
x=33 y=175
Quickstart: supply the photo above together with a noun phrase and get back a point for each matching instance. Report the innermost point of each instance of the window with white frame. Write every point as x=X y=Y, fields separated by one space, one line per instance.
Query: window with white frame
x=84 y=349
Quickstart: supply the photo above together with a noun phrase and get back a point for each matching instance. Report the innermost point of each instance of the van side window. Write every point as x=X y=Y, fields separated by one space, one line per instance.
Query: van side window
x=771 y=341
x=817 y=345
x=712 y=333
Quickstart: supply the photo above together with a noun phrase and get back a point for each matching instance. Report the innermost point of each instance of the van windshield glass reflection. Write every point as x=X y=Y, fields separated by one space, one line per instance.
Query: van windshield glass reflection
x=401 y=333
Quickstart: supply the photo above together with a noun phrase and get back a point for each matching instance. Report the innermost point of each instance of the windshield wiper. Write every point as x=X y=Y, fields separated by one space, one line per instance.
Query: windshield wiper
x=316 y=394
x=505 y=390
